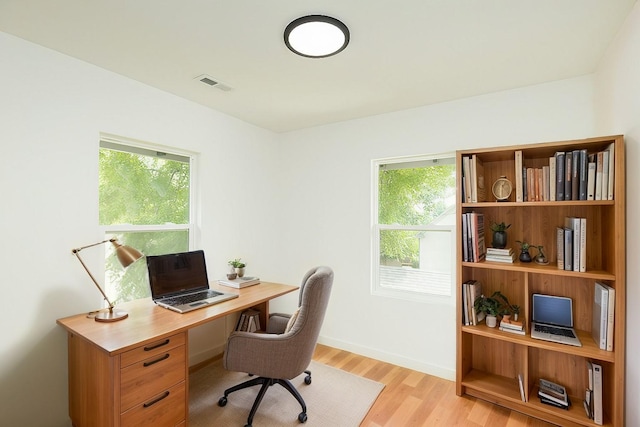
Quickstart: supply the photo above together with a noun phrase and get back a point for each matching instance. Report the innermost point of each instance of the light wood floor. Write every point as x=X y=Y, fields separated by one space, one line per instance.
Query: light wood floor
x=412 y=398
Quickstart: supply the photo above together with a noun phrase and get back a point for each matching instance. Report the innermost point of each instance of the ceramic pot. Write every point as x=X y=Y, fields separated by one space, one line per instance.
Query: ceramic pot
x=499 y=239
x=491 y=321
x=240 y=271
x=525 y=256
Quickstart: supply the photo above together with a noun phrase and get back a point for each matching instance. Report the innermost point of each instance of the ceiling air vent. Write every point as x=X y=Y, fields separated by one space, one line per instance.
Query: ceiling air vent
x=210 y=81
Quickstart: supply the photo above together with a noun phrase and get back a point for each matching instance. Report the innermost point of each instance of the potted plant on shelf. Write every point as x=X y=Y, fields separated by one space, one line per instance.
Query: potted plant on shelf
x=525 y=256
x=490 y=306
x=499 y=235
x=238 y=265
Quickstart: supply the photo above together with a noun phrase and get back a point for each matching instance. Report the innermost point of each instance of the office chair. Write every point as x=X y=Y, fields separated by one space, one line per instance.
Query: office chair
x=286 y=352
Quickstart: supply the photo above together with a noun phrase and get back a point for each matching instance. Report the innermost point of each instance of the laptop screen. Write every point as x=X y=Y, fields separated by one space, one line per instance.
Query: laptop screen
x=553 y=310
x=174 y=274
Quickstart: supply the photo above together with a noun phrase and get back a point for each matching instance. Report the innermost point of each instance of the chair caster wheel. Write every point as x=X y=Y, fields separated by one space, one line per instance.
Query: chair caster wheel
x=307 y=379
x=222 y=401
x=302 y=417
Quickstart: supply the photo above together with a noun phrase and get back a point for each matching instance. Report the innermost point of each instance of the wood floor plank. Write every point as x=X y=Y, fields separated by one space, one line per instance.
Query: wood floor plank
x=414 y=399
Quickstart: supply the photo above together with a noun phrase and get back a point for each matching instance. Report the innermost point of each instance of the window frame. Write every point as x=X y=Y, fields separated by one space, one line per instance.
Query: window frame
x=405 y=294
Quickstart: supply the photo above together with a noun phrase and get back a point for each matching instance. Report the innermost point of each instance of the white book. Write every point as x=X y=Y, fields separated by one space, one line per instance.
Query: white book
x=518 y=175
x=474 y=180
x=605 y=175
x=466 y=172
x=523 y=396
x=591 y=181
x=610 y=189
x=599 y=317
x=552 y=178
x=597 y=393
x=598 y=192
x=611 y=305
x=240 y=282
x=583 y=245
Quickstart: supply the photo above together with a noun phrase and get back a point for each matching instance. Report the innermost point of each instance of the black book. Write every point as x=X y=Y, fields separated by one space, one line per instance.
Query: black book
x=560 y=177
x=555 y=404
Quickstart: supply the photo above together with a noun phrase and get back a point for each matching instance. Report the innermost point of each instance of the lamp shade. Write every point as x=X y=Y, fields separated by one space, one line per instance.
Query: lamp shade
x=316 y=36
x=126 y=254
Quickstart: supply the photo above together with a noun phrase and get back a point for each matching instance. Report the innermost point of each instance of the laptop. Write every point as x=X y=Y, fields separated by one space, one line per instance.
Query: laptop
x=552 y=320
x=179 y=282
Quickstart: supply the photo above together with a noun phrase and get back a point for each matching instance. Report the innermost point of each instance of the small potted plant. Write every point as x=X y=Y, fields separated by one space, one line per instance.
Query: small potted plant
x=238 y=265
x=490 y=306
x=499 y=235
x=525 y=256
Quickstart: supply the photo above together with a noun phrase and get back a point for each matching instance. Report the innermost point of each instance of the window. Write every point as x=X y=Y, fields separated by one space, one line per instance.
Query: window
x=146 y=202
x=413 y=227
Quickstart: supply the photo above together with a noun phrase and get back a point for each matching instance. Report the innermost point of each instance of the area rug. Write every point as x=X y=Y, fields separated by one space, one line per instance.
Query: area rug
x=334 y=398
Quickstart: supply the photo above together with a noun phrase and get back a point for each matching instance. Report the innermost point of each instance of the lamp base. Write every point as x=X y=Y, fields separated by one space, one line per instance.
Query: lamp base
x=111 y=316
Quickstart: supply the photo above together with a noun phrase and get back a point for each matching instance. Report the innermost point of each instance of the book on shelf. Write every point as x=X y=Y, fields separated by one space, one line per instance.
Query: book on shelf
x=599 y=316
x=512 y=331
x=568 y=249
x=523 y=396
x=597 y=393
x=471 y=290
x=478 y=247
x=554 y=403
x=583 y=170
x=605 y=175
x=509 y=259
x=239 y=282
x=560 y=247
x=599 y=160
x=552 y=179
x=499 y=251
x=518 y=175
x=583 y=246
x=575 y=175
x=611 y=182
x=553 y=392
x=545 y=184
x=568 y=174
x=560 y=175
x=466 y=173
x=249 y=321
x=478 y=189
x=591 y=178
x=525 y=192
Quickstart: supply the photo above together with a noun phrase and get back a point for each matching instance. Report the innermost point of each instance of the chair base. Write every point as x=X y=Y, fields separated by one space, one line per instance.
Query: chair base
x=265 y=384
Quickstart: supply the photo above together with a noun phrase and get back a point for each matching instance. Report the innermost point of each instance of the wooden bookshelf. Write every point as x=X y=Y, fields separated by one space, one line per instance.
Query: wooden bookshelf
x=489 y=360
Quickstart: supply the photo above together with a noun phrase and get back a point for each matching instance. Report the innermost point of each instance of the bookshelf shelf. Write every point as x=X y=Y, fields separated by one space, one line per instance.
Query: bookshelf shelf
x=489 y=360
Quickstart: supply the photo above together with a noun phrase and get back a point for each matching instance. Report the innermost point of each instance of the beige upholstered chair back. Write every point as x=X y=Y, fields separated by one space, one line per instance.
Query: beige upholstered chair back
x=286 y=355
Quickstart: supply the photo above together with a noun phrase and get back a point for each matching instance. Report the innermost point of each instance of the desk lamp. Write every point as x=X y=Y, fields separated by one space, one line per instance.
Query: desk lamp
x=127 y=256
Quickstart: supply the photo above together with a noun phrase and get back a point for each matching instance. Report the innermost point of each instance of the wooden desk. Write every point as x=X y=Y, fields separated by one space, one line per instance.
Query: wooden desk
x=135 y=372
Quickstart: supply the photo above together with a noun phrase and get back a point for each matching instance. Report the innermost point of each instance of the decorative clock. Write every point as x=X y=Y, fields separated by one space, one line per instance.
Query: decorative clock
x=502 y=189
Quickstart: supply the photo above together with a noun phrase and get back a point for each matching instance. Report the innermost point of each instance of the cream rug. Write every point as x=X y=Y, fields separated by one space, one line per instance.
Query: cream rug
x=334 y=398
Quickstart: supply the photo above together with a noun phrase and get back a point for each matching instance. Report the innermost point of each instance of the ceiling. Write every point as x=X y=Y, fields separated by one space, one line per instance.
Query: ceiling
x=402 y=54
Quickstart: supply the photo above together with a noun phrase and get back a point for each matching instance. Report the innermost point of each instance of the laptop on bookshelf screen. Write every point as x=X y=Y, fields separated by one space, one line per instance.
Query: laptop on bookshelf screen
x=552 y=320
x=179 y=282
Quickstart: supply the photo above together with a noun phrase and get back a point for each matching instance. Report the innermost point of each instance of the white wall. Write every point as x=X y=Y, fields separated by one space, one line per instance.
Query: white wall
x=52 y=109
x=326 y=207
x=618 y=106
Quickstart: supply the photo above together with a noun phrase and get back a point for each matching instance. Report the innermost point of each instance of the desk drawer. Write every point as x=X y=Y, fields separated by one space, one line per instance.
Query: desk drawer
x=142 y=380
x=166 y=408
x=152 y=349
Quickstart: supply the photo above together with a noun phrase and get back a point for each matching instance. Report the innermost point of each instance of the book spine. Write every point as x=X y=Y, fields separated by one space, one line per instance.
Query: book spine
x=598 y=192
x=545 y=183
x=591 y=181
x=560 y=247
x=597 y=394
x=552 y=179
x=612 y=174
x=568 y=249
x=575 y=176
x=560 y=164
x=583 y=170
x=568 y=173
x=610 y=316
x=599 y=319
x=605 y=174
x=583 y=245
x=518 y=175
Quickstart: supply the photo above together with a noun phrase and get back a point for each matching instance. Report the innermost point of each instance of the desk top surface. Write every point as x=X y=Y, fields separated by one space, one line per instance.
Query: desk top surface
x=148 y=322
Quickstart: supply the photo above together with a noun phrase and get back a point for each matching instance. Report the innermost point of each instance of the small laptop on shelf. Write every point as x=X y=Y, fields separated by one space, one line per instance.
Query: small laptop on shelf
x=552 y=320
x=179 y=282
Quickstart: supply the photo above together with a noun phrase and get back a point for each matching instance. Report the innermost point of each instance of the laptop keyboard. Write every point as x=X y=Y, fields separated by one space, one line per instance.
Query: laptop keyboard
x=554 y=331
x=187 y=299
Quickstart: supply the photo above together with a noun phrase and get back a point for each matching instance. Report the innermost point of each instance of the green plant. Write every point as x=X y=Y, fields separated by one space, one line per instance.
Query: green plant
x=237 y=263
x=524 y=245
x=487 y=305
x=499 y=227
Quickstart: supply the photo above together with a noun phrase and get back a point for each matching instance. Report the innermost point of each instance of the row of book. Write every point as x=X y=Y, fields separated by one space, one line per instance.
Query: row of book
x=602 y=319
x=473 y=242
x=249 y=321
x=571 y=244
x=473 y=185
x=471 y=290
x=553 y=394
x=569 y=175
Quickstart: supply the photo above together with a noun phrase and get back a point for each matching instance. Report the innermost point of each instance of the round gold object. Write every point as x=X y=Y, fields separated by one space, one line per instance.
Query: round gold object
x=502 y=189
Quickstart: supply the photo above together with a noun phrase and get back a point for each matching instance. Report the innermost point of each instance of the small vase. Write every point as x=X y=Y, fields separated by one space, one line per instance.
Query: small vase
x=525 y=256
x=491 y=321
x=499 y=239
x=240 y=271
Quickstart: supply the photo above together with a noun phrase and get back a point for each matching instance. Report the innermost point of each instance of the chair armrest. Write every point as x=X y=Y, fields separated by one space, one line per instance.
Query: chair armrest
x=277 y=323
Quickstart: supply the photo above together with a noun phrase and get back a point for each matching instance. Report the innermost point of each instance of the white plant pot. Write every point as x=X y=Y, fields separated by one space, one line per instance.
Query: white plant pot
x=240 y=271
x=491 y=321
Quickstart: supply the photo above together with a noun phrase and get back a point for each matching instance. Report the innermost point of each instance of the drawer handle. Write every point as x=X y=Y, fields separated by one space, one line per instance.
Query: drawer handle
x=153 y=347
x=154 y=401
x=165 y=357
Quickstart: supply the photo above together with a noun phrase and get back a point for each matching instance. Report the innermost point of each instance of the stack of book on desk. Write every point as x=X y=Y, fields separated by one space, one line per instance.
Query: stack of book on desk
x=553 y=394
x=500 y=255
x=240 y=282
x=512 y=326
